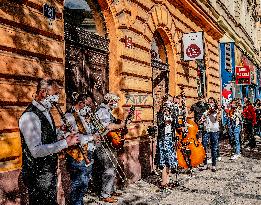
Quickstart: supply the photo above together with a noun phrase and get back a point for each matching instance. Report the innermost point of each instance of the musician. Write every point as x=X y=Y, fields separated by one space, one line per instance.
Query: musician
x=103 y=155
x=79 y=171
x=166 y=158
x=249 y=118
x=234 y=122
x=40 y=145
x=210 y=120
x=199 y=108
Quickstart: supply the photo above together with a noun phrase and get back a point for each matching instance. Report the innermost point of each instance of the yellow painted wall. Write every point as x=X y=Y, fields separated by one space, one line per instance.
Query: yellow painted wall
x=30 y=50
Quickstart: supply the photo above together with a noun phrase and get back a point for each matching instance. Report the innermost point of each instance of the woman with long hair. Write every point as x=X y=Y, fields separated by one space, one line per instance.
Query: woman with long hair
x=166 y=158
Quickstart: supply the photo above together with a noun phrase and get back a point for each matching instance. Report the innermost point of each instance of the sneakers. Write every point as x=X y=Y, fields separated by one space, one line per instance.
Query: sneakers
x=205 y=167
x=219 y=159
x=213 y=169
x=235 y=156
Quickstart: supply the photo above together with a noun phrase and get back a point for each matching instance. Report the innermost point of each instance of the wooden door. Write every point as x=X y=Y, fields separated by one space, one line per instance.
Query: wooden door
x=86 y=62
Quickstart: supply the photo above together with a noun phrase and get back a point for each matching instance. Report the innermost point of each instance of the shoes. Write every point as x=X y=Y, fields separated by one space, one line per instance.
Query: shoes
x=116 y=194
x=109 y=200
x=219 y=159
x=205 y=167
x=214 y=169
x=235 y=156
x=209 y=161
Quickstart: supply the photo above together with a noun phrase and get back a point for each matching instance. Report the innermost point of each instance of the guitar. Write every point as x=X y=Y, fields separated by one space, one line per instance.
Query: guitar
x=116 y=137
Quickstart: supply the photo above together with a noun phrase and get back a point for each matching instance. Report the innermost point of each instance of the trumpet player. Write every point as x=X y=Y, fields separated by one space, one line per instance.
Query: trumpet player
x=80 y=170
x=40 y=145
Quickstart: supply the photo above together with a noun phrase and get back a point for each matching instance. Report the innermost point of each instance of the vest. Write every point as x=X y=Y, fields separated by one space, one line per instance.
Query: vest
x=40 y=165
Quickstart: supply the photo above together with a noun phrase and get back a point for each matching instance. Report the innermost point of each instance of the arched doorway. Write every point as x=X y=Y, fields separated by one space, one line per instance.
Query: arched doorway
x=86 y=49
x=160 y=71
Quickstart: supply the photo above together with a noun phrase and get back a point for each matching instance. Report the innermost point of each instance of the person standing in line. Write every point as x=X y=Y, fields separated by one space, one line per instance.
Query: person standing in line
x=40 y=145
x=210 y=119
x=249 y=118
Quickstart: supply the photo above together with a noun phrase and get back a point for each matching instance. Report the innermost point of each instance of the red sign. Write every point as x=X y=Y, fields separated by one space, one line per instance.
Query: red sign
x=193 y=51
x=243 y=75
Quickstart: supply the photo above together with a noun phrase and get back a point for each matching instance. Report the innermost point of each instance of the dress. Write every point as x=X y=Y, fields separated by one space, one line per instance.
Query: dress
x=165 y=150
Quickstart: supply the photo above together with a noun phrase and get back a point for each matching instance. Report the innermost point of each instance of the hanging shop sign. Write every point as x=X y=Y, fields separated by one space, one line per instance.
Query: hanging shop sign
x=228 y=58
x=243 y=76
x=193 y=46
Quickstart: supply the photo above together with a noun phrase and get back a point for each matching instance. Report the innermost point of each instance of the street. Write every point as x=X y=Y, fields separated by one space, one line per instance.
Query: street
x=235 y=182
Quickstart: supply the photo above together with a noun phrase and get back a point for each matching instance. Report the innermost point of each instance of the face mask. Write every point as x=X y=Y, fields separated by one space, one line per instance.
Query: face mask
x=212 y=105
x=47 y=102
x=84 y=111
x=114 y=105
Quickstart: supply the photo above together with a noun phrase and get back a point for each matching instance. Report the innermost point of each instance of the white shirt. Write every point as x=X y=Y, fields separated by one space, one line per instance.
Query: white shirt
x=168 y=129
x=211 y=122
x=84 y=138
x=104 y=114
x=30 y=127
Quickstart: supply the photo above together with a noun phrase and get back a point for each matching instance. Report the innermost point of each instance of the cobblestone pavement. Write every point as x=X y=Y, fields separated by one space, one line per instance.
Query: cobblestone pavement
x=235 y=182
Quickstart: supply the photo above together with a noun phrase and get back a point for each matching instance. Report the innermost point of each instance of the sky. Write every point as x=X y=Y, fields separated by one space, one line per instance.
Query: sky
x=76 y=4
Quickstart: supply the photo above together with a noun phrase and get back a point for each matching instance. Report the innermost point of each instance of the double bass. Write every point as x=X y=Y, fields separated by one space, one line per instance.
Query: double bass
x=190 y=151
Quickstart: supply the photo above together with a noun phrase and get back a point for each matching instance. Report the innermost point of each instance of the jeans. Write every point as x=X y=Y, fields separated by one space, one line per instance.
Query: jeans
x=249 y=130
x=234 y=135
x=80 y=177
x=213 y=136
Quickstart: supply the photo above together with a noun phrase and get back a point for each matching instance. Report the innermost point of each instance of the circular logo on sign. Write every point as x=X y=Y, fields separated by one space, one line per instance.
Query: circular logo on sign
x=193 y=51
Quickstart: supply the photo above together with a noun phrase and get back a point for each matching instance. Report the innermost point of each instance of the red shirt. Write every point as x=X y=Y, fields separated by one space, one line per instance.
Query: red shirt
x=250 y=113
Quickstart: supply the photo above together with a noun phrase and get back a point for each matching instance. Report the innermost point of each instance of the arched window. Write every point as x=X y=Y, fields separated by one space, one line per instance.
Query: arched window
x=160 y=71
x=158 y=50
x=86 y=14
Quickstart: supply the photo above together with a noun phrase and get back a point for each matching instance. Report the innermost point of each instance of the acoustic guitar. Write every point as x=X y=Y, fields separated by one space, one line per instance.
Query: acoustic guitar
x=116 y=137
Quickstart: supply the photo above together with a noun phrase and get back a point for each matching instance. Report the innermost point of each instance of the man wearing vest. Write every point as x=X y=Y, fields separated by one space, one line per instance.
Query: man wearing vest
x=103 y=157
x=79 y=169
x=40 y=146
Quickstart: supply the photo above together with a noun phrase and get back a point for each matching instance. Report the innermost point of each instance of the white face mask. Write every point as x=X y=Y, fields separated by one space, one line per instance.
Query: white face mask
x=212 y=105
x=48 y=101
x=84 y=111
x=114 y=105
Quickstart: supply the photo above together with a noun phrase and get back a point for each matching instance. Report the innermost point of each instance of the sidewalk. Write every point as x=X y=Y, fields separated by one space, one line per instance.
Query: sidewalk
x=235 y=182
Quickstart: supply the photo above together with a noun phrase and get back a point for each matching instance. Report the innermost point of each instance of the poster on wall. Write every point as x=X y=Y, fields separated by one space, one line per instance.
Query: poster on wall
x=193 y=46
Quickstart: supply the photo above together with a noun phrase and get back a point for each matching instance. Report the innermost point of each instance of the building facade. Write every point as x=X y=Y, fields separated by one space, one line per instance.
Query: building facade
x=240 y=46
x=130 y=47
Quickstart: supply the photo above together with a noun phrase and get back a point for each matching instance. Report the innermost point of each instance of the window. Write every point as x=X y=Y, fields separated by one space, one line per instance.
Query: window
x=85 y=14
